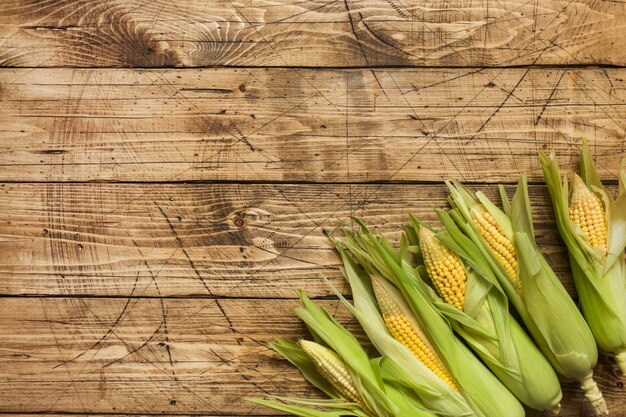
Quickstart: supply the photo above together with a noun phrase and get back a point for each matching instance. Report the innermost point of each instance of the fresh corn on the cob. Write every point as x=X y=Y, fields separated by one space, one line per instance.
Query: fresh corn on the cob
x=408 y=332
x=385 y=265
x=536 y=292
x=477 y=307
x=402 y=364
x=587 y=212
x=500 y=245
x=593 y=226
x=333 y=369
x=444 y=268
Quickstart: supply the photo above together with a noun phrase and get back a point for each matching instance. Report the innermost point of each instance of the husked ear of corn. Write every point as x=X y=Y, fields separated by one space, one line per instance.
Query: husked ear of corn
x=499 y=243
x=408 y=332
x=408 y=369
x=476 y=306
x=382 y=265
x=587 y=212
x=553 y=318
x=444 y=268
x=484 y=222
x=593 y=227
x=333 y=369
x=535 y=291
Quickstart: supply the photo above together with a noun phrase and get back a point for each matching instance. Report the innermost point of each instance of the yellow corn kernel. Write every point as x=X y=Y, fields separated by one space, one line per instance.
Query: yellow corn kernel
x=444 y=268
x=587 y=212
x=409 y=333
x=330 y=365
x=500 y=245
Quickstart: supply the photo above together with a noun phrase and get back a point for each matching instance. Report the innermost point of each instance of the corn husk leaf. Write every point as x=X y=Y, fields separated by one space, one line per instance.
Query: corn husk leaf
x=338 y=408
x=402 y=396
x=294 y=354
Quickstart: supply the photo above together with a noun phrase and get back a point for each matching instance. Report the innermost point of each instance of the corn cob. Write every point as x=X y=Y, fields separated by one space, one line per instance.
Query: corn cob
x=333 y=369
x=444 y=268
x=593 y=227
x=409 y=333
x=499 y=243
x=587 y=212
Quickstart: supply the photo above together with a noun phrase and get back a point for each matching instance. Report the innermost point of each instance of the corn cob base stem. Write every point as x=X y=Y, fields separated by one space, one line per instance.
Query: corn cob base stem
x=594 y=395
x=556 y=409
x=620 y=357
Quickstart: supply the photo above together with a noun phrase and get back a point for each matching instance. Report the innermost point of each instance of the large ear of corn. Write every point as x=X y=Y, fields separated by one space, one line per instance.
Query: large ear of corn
x=498 y=242
x=476 y=384
x=593 y=226
x=587 y=212
x=535 y=291
x=408 y=332
x=490 y=228
x=408 y=369
x=444 y=268
x=476 y=306
x=557 y=325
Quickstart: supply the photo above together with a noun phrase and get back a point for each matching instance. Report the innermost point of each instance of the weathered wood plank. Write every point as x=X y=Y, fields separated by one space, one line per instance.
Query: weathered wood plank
x=135 y=33
x=202 y=240
x=170 y=356
x=304 y=125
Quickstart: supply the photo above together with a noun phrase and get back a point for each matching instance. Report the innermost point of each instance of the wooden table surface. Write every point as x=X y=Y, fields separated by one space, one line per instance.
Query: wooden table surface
x=167 y=167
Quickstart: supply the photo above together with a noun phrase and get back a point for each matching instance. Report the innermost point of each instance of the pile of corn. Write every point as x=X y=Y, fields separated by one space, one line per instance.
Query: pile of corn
x=442 y=310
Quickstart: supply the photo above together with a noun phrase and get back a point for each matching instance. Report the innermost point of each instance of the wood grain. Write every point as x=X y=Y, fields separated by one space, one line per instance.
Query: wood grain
x=305 y=125
x=155 y=221
x=204 y=240
x=319 y=33
x=104 y=355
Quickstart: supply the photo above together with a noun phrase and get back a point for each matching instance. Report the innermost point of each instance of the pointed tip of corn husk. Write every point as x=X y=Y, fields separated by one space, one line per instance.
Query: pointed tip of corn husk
x=594 y=395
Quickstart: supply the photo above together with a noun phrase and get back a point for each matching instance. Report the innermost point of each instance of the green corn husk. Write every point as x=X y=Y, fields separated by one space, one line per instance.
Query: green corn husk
x=544 y=305
x=599 y=273
x=375 y=398
x=481 y=393
x=486 y=325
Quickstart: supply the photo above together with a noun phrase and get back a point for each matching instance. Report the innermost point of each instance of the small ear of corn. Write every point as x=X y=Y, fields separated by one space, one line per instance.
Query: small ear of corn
x=444 y=268
x=587 y=212
x=409 y=333
x=500 y=245
x=333 y=369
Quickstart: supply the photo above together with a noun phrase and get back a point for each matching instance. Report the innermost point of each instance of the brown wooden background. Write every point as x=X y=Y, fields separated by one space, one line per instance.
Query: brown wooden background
x=167 y=166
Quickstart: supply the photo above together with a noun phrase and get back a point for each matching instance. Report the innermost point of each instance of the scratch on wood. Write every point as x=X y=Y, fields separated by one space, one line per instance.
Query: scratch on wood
x=356 y=37
x=556 y=86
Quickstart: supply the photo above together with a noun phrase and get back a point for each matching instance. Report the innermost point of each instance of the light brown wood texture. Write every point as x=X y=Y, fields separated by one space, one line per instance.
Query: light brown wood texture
x=167 y=168
x=205 y=240
x=103 y=355
x=305 y=125
x=319 y=33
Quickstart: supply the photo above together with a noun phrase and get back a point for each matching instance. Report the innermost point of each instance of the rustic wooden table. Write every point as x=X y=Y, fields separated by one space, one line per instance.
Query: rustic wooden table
x=167 y=167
